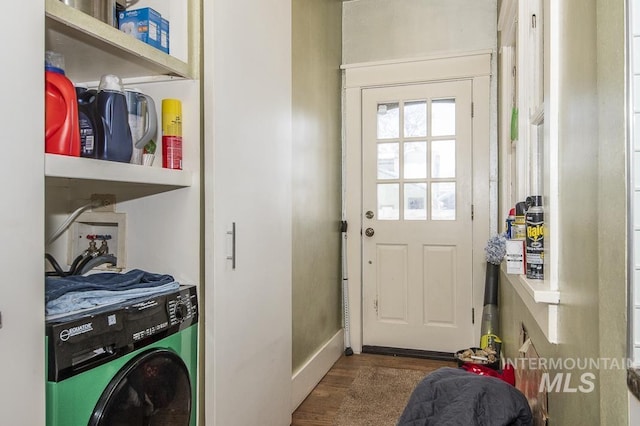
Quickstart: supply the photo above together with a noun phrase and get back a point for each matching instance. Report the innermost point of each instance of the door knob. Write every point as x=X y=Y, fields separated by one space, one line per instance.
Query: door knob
x=369 y=232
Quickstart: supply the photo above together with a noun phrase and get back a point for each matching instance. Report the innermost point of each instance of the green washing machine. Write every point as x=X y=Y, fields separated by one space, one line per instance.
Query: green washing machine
x=134 y=364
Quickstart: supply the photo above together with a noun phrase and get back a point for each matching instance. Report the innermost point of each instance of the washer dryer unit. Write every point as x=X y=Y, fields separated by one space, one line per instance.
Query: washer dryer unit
x=134 y=364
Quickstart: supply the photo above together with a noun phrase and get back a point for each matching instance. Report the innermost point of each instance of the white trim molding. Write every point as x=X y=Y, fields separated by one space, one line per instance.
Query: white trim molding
x=450 y=67
x=309 y=375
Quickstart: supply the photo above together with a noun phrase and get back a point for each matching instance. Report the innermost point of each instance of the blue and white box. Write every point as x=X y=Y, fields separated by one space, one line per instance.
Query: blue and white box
x=143 y=24
x=164 y=35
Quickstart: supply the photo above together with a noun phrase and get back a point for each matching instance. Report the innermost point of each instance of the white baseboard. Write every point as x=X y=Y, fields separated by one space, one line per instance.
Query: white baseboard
x=309 y=375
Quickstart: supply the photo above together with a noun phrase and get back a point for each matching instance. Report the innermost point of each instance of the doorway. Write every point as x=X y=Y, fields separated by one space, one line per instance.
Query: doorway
x=417 y=191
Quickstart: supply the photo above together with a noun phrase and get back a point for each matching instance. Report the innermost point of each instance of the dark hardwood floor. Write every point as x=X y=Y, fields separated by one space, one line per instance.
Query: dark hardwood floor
x=321 y=406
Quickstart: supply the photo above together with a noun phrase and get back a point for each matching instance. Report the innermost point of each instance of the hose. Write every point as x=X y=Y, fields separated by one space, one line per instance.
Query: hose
x=80 y=266
x=56 y=266
x=73 y=216
x=95 y=261
x=59 y=272
x=76 y=261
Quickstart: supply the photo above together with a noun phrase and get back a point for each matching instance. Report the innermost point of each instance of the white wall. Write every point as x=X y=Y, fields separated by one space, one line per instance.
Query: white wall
x=376 y=30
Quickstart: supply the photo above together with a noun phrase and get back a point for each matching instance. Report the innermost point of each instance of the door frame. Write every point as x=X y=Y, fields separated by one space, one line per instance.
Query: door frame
x=474 y=66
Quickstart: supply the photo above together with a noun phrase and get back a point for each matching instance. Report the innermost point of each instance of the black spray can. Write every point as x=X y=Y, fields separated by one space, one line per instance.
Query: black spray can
x=535 y=239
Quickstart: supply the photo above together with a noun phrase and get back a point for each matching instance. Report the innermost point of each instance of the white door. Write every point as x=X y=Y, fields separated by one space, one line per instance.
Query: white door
x=247 y=96
x=417 y=216
x=22 y=337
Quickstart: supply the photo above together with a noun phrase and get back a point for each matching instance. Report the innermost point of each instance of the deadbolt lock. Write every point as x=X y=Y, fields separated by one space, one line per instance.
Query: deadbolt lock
x=369 y=214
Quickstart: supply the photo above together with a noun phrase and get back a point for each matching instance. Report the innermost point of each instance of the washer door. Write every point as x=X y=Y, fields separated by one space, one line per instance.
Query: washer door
x=152 y=389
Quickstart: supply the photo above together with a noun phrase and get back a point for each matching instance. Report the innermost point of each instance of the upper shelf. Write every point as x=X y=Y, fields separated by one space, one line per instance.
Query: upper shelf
x=92 y=48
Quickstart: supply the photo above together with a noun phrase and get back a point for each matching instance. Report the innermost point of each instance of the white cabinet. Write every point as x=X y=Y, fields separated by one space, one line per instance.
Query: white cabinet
x=247 y=113
x=39 y=190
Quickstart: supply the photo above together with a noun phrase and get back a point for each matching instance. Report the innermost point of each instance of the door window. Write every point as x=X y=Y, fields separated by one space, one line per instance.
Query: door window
x=416 y=159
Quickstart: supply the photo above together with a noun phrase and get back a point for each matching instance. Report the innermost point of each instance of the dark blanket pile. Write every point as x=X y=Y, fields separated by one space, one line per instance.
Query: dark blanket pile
x=452 y=397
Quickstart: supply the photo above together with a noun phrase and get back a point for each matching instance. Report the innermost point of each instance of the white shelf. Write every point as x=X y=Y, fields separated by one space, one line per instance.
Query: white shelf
x=91 y=170
x=540 y=291
x=92 y=48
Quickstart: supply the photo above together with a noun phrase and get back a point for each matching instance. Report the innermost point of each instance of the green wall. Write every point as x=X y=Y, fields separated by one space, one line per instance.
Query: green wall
x=612 y=208
x=317 y=51
x=592 y=238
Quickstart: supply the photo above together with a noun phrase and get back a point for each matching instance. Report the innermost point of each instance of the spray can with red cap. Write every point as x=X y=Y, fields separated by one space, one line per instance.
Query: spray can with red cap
x=509 y=222
x=171 y=134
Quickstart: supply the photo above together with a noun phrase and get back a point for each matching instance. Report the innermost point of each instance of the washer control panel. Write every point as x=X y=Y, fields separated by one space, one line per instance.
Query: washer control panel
x=163 y=315
x=181 y=309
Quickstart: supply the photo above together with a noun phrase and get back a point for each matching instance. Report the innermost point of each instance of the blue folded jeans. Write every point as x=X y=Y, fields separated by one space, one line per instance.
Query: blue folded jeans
x=76 y=301
x=55 y=287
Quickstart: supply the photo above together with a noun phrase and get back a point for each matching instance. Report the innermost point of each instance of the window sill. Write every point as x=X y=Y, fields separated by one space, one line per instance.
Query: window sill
x=539 y=291
x=541 y=301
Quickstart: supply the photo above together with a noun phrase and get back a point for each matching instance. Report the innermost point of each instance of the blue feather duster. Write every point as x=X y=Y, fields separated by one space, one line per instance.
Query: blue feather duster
x=496 y=249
